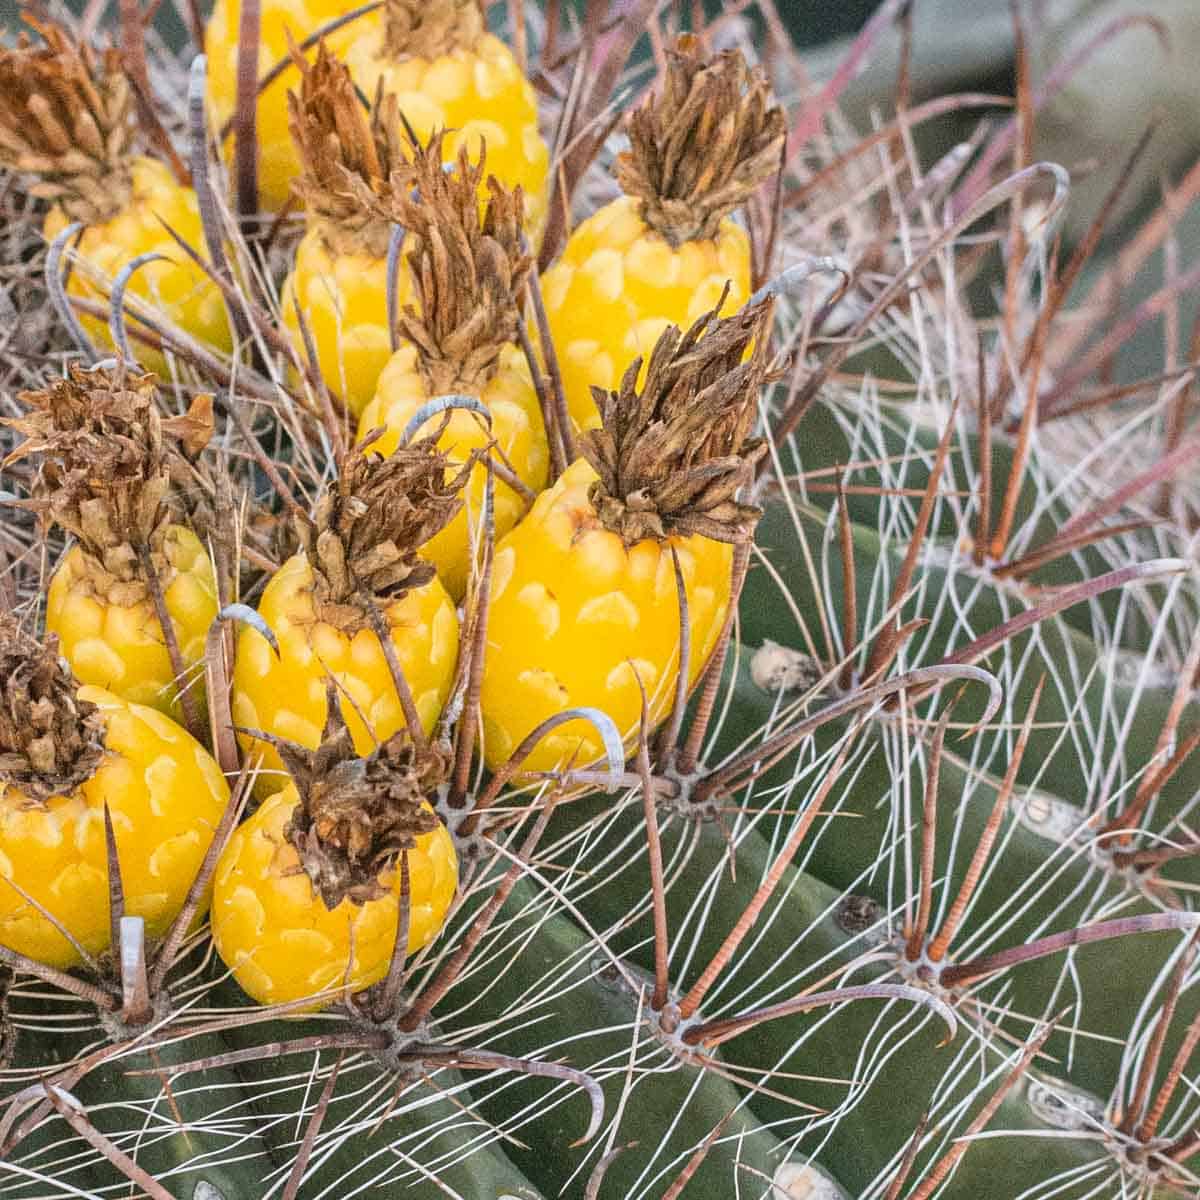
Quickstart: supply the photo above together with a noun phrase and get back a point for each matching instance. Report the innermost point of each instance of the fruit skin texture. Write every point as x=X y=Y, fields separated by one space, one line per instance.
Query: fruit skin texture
x=119 y=646
x=276 y=934
x=178 y=288
x=619 y=284
x=516 y=426
x=166 y=796
x=344 y=301
x=285 y=695
x=478 y=96
x=574 y=613
x=278 y=162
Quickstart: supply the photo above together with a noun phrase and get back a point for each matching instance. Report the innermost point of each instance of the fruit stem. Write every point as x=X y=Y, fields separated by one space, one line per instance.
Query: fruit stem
x=669 y=734
x=465 y=734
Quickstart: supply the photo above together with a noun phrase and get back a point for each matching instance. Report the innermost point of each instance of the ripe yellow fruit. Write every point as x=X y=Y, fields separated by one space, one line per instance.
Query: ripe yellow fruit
x=343 y=299
x=663 y=253
x=351 y=161
x=125 y=201
x=105 y=477
x=448 y=73
x=358 y=570
x=435 y=56
x=283 y=943
x=278 y=163
x=114 y=641
x=463 y=343
x=584 y=608
x=285 y=694
x=69 y=751
x=577 y=618
x=307 y=893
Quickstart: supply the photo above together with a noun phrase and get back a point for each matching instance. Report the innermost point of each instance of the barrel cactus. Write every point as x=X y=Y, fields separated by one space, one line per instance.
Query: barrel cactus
x=804 y=802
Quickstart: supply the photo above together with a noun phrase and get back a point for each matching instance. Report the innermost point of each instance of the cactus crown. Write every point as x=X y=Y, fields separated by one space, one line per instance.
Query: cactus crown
x=369 y=524
x=351 y=160
x=66 y=118
x=50 y=740
x=672 y=457
x=702 y=146
x=355 y=816
x=106 y=463
x=431 y=28
x=467 y=268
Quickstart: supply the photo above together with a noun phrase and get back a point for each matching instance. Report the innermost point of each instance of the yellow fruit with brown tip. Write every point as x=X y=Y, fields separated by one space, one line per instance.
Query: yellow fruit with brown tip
x=584 y=609
x=107 y=456
x=461 y=342
x=352 y=162
x=308 y=892
x=358 y=578
x=66 y=753
x=67 y=122
x=664 y=253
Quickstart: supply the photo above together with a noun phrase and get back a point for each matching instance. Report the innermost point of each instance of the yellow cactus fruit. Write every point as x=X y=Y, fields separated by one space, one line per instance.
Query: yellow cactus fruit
x=665 y=252
x=307 y=894
x=358 y=572
x=66 y=753
x=448 y=73
x=107 y=457
x=467 y=270
x=278 y=162
x=584 y=609
x=67 y=122
x=351 y=163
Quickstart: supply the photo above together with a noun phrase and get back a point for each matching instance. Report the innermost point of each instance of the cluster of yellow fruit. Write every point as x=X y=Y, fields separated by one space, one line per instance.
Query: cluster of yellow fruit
x=663 y=359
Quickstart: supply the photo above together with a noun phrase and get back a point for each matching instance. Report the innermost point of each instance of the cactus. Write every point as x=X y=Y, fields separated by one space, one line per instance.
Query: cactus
x=889 y=896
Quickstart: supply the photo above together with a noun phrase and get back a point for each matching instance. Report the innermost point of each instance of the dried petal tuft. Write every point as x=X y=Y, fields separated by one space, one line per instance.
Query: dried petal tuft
x=369 y=525
x=672 y=458
x=467 y=270
x=51 y=741
x=357 y=815
x=352 y=161
x=107 y=459
x=703 y=145
x=67 y=118
x=431 y=28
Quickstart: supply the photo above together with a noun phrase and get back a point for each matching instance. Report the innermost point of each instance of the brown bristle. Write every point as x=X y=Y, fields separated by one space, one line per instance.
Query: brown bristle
x=430 y=28
x=363 y=540
x=107 y=458
x=672 y=456
x=356 y=815
x=67 y=119
x=51 y=741
x=352 y=160
x=702 y=145
x=468 y=270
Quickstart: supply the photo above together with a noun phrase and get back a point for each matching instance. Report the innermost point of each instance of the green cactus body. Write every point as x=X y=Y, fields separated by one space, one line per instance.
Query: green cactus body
x=190 y=1133
x=1080 y=695
x=668 y=1109
x=427 y=1142
x=804 y=938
